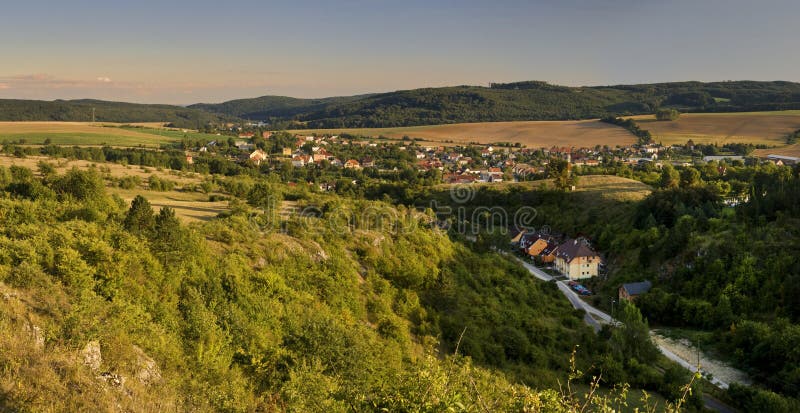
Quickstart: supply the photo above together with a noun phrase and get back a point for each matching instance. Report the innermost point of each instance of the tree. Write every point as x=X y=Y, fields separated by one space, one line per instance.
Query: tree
x=80 y=185
x=667 y=114
x=140 y=219
x=563 y=178
x=632 y=338
x=169 y=237
x=689 y=177
x=670 y=178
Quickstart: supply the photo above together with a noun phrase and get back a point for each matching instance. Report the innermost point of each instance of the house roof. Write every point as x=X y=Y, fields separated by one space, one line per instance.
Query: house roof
x=574 y=248
x=637 y=288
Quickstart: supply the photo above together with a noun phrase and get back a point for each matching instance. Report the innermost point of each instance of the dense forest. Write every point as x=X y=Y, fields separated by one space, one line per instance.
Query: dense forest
x=81 y=111
x=511 y=102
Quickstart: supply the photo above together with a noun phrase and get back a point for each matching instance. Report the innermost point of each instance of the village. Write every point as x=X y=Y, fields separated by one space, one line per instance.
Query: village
x=465 y=164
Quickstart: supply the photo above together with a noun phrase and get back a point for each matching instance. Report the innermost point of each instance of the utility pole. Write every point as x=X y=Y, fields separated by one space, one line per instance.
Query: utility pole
x=93 y=115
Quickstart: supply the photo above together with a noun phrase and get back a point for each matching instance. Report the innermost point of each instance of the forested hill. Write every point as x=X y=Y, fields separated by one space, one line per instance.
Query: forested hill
x=81 y=111
x=531 y=100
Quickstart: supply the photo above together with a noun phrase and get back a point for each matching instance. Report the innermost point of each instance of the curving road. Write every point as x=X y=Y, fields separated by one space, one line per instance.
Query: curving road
x=593 y=314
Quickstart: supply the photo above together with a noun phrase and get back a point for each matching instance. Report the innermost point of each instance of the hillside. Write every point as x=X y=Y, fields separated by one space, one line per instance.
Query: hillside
x=512 y=102
x=121 y=112
x=266 y=107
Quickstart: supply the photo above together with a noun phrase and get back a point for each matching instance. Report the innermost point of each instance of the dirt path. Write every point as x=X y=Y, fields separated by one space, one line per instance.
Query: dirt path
x=688 y=353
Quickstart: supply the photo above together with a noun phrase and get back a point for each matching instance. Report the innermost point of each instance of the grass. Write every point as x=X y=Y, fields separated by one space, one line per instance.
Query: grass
x=767 y=128
x=85 y=133
x=189 y=205
x=534 y=134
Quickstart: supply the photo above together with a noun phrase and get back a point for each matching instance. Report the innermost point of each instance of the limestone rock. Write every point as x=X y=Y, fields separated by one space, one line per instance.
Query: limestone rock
x=147 y=370
x=91 y=355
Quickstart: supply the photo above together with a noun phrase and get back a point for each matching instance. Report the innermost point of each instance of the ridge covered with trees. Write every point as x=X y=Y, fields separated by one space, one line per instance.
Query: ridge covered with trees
x=104 y=111
x=511 y=102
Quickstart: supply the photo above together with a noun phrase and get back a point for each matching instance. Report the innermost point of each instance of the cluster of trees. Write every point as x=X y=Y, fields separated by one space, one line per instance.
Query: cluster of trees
x=667 y=114
x=644 y=135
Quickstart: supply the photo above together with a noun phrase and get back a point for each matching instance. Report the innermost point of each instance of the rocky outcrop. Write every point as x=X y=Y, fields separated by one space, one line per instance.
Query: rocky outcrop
x=147 y=370
x=92 y=356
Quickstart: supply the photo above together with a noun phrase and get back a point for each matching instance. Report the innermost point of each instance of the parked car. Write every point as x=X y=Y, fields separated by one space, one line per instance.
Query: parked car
x=579 y=288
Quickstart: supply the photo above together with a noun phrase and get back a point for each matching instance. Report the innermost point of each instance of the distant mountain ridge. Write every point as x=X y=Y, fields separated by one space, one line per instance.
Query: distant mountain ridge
x=529 y=100
x=104 y=111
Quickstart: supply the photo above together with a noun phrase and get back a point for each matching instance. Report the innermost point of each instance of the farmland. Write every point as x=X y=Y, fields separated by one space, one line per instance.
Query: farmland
x=767 y=128
x=85 y=133
x=533 y=134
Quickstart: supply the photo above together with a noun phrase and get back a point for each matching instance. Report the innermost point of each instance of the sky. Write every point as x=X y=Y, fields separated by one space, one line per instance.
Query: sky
x=183 y=52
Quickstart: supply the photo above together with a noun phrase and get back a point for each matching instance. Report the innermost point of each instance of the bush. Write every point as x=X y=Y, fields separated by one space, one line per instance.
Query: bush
x=154 y=183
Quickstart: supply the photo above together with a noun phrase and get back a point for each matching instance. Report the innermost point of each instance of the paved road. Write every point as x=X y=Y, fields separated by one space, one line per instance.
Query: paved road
x=592 y=314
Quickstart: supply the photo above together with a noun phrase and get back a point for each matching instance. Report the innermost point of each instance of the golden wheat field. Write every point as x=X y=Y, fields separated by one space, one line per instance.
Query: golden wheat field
x=769 y=128
x=533 y=134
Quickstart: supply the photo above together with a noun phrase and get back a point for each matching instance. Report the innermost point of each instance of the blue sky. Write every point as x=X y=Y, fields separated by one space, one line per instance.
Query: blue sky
x=208 y=51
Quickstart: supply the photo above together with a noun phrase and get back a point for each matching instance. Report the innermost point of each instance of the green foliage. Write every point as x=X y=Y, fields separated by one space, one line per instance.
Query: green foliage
x=632 y=339
x=644 y=136
x=506 y=102
x=154 y=183
x=667 y=114
x=81 y=111
x=140 y=219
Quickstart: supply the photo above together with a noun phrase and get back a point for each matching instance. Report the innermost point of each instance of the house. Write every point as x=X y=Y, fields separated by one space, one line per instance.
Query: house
x=189 y=159
x=244 y=146
x=367 y=163
x=539 y=246
x=575 y=259
x=352 y=164
x=300 y=161
x=517 y=235
x=286 y=152
x=630 y=291
x=258 y=156
x=266 y=134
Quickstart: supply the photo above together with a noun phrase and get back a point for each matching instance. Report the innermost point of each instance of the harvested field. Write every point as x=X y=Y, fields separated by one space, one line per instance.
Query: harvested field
x=768 y=128
x=533 y=134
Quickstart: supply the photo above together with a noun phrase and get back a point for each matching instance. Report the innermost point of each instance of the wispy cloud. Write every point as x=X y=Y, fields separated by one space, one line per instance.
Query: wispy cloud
x=4 y=86
x=104 y=79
